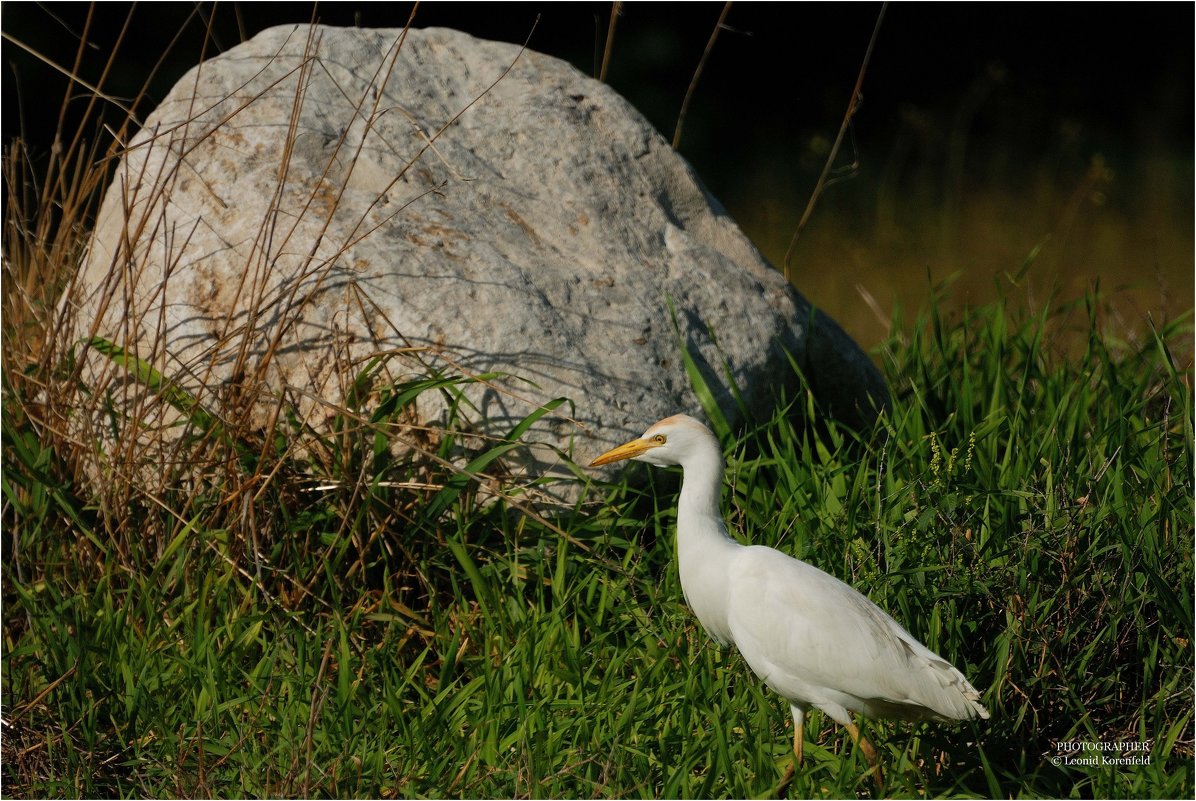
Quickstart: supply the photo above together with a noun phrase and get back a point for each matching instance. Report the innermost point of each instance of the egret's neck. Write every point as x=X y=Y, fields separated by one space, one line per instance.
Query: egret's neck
x=704 y=550
x=701 y=490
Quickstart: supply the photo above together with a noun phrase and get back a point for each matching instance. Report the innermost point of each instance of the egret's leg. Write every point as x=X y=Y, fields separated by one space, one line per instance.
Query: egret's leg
x=799 y=733
x=862 y=742
x=869 y=752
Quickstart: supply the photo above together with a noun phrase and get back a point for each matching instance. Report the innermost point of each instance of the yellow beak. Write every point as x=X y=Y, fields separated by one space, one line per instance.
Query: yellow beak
x=627 y=450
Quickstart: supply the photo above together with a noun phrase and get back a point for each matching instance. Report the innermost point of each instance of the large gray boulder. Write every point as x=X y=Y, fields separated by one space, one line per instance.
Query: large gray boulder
x=317 y=196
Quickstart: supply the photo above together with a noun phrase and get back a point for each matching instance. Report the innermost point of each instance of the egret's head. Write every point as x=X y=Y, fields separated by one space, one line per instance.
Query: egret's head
x=674 y=440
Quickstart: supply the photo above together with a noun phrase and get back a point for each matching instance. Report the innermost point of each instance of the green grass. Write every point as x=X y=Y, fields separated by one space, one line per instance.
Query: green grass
x=1027 y=514
x=296 y=609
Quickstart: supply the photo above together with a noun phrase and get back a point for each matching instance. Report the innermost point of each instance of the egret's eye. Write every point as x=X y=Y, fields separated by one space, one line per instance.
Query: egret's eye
x=659 y=439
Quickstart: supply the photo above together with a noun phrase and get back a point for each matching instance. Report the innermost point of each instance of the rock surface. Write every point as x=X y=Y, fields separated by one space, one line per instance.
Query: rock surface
x=317 y=195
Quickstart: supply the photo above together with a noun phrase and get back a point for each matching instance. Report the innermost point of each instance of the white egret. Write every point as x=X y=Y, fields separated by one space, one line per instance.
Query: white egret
x=810 y=637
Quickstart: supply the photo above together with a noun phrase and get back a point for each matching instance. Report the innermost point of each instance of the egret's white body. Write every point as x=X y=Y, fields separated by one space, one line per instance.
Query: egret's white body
x=810 y=637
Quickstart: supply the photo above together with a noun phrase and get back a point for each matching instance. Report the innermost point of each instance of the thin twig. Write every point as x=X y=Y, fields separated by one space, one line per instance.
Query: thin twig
x=693 y=84
x=852 y=107
x=48 y=689
x=615 y=9
x=317 y=701
x=70 y=75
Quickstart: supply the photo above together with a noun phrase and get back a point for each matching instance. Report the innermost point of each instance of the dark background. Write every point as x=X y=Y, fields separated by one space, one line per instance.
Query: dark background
x=986 y=129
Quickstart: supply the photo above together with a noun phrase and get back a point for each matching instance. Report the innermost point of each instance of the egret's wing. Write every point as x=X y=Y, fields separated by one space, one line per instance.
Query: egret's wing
x=805 y=633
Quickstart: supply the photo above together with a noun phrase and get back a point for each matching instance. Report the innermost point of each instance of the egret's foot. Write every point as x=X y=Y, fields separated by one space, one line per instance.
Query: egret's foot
x=877 y=778
x=786 y=780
